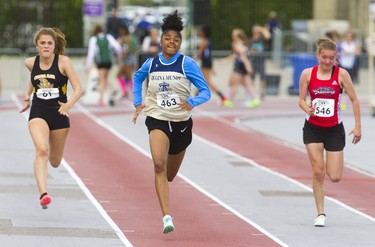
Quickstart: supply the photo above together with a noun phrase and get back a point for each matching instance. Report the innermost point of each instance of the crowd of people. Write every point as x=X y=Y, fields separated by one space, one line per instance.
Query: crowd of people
x=144 y=42
x=349 y=51
x=248 y=59
x=114 y=43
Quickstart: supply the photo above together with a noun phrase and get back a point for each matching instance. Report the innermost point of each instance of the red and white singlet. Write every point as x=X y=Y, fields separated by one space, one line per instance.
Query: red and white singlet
x=326 y=96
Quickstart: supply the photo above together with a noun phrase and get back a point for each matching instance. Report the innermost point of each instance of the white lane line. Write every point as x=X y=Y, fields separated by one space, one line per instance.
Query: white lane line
x=98 y=206
x=293 y=181
x=227 y=122
x=236 y=124
x=85 y=190
x=196 y=186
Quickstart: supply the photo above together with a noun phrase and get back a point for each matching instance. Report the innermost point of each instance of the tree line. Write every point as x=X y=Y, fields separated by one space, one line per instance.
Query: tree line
x=19 y=19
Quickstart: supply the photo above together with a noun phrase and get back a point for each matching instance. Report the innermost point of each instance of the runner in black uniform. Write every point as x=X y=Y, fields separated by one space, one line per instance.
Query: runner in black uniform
x=241 y=68
x=204 y=53
x=49 y=115
x=48 y=92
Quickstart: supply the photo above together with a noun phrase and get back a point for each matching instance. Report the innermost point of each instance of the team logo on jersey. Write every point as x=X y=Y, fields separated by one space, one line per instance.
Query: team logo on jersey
x=323 y=90
x=44 y=83
x=163 y=86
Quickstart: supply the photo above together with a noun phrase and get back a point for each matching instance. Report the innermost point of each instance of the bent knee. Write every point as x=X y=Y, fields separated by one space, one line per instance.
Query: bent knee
x=170 y=178
x=334 y=178
x=55 y=165
x=55 y=162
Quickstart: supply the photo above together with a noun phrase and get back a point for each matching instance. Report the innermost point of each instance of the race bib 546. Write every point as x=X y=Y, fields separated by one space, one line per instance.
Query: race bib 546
x=324 y=107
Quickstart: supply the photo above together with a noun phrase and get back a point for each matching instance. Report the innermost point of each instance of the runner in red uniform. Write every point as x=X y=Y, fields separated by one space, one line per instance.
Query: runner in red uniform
x=325 y=95
x=323 y=129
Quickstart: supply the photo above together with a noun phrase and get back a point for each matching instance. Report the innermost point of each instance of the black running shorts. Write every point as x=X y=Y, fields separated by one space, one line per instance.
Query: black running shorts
x=333 y=138
x=51 y=115
x=179 y=133
x=104 y=65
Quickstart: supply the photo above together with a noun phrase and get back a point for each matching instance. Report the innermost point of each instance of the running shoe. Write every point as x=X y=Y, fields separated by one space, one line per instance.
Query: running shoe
x=168 y=224
x=45 y=200
x=227 y=103
x=320 y=220
x=101 y=103
x=253 y=103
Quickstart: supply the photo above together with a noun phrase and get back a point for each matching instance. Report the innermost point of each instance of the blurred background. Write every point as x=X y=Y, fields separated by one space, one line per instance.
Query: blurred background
x=294 y=27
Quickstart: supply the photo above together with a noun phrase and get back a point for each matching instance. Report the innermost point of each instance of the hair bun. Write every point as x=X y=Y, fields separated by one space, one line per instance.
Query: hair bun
x=172 y=22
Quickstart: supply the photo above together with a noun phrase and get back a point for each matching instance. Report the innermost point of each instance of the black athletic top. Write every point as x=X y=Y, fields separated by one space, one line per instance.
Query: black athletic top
x=207 y=56
x=50 y=86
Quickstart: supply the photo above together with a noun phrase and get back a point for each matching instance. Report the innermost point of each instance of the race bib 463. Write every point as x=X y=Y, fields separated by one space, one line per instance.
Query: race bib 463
x=168 y=100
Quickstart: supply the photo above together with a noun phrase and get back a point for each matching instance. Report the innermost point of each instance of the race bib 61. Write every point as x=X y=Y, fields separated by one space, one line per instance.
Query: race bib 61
x=47 y=93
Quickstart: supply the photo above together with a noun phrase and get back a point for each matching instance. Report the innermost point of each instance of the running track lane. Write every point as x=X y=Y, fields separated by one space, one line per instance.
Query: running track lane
x=121 y=179
x=355 y=189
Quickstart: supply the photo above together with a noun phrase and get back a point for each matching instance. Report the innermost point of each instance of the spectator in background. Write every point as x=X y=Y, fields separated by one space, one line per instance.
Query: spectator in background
x=272 y=23
x=127 y=61
x=335 y=36
x=100 y=52
x=260 y=35
x=242 y=68
x=113 y=24
x=143 y=29
x=204 y=54
x=150 y=46
x=151 y=43
x=350 y=55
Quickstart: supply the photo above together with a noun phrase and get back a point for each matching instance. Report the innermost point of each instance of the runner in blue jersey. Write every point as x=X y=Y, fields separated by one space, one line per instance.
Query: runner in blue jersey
x=168 y=105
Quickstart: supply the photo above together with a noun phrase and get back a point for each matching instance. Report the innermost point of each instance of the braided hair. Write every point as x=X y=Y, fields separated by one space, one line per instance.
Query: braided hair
x=172 y=22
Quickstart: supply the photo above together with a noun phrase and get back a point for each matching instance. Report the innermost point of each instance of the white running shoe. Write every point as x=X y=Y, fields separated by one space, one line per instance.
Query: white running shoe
x=320 y=220
x=168 y=224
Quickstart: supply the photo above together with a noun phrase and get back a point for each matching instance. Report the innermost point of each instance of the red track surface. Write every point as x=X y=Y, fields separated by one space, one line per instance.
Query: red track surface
x=121 y=179
x=355 y=189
